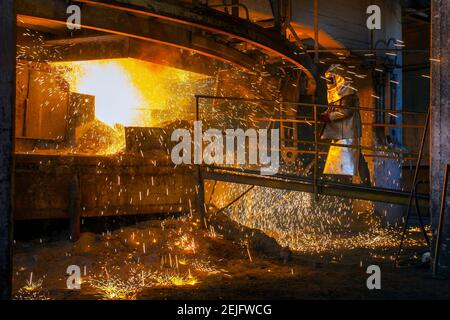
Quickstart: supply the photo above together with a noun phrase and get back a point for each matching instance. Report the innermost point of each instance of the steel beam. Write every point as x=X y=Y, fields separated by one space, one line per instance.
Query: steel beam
x=307 y=185
x=219 y=23
x=133 y=21
x=119 y=22
x=113 y=47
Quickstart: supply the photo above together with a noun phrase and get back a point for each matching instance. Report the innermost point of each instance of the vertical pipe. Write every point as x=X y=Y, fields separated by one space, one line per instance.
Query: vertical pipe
x=235 y=8
x=316 y=152
x=75 y=208
x=437 y=246
x=200 y=196
x=440 y=117
x=316 y=31
x=288 y=15
x=387 y=102
x=413 y=185
x=276 y=10
x=285 y=18
x=282 y=132
x=7 y=116
x=316 y=61
x=200 y=192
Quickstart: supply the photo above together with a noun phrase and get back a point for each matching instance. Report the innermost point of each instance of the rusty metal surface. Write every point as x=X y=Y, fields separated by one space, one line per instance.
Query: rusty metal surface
x=138 y=27
x=216 y=22
x=119 y=185
x=95 y=47
x=178 y=29
x=47 y=106
x=146 y=138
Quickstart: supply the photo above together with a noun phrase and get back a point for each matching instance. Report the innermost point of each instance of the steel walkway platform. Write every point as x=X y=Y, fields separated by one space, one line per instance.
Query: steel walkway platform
x=303 y=184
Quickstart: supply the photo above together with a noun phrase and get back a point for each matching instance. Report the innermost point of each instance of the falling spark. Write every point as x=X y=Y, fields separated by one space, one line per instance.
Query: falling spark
x=32 y=290
x=393 y=115
x=249 y=255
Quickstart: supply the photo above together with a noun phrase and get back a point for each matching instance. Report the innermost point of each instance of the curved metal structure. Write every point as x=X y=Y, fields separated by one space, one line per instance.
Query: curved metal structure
x=197 y=28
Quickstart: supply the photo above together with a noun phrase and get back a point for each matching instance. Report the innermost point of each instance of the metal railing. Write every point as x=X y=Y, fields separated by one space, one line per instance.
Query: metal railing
x=314 y=185
x=314 y=121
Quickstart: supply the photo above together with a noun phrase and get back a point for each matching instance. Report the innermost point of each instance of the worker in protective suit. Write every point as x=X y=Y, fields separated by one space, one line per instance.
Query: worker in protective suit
x=343 y=127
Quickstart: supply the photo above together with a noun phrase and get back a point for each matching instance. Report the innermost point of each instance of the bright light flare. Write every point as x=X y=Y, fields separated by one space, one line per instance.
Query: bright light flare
x=129 y=91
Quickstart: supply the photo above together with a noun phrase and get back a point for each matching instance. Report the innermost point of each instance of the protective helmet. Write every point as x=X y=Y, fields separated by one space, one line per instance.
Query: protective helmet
x=337 y=85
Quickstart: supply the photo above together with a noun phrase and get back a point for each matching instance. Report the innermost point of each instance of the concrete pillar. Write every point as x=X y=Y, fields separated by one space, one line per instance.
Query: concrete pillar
x=440 y=119
x=7 y=104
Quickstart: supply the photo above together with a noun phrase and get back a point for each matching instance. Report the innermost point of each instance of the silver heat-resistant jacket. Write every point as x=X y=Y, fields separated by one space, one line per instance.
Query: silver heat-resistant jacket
x=344 y=123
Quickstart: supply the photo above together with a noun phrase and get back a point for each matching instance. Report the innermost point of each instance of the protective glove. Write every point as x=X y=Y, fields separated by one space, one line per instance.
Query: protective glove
x=325 y=117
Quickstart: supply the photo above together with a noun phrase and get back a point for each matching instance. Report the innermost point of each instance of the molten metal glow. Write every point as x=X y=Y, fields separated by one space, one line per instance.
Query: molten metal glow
x=129 y=91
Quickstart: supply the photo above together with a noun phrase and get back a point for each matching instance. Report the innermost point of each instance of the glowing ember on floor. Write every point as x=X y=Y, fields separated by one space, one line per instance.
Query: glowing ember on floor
x=330 y=226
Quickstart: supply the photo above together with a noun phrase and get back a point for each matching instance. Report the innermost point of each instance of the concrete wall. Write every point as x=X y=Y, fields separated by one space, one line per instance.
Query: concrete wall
x=440 y=119
x=7 y=95
x=342 y=20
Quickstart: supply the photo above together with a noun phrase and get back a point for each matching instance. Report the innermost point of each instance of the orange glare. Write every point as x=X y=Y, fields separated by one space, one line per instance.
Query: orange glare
x=128 y=91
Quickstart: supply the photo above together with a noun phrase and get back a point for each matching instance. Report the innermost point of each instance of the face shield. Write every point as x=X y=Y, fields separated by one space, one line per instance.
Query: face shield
x=337 y=86
x=331 y=81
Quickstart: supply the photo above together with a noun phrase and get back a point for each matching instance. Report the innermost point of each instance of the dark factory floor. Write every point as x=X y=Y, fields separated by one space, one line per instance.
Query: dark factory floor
x=174 y=259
